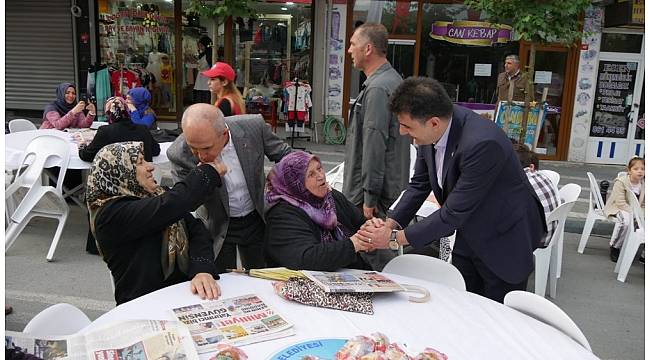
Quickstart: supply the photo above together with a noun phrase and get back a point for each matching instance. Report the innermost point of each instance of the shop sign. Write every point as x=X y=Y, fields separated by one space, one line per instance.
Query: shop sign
x=471 y=32
x=613 y=102
x=137 y=14
x=138 y=29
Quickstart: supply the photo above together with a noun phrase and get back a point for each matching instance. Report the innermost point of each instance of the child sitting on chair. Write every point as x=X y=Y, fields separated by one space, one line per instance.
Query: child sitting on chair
x=618 y=207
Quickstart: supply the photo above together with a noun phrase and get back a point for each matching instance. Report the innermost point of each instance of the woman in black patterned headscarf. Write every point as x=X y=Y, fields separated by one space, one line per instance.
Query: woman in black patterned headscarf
x=146 y=235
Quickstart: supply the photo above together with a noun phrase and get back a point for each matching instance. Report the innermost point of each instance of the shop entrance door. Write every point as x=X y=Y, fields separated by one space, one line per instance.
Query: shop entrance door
x=617 y=129
x=560 y=62
x=401 y=55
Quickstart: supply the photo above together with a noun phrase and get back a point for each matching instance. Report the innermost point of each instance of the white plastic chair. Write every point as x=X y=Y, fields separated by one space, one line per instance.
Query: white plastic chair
x=544 y=257
x=335 y=176
x=596 y=212
x=426 y=268
x=634 y=239
x=38 y=199
x=545 y=311
x=568 y=193
x=17 y=125
x=57 y=320
x=552 y=175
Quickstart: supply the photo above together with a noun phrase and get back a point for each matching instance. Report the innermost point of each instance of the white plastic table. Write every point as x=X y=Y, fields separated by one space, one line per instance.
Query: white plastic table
x=460 y=324
x=16 y=143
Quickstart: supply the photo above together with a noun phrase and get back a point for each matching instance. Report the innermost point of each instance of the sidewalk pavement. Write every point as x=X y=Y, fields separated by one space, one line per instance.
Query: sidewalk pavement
x=610 y=313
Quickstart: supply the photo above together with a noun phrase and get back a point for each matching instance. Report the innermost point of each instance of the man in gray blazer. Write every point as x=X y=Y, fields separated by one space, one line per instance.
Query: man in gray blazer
x=234 y=214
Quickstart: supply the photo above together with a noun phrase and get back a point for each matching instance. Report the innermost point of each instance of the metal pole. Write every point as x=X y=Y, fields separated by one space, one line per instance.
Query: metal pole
x=75 y=45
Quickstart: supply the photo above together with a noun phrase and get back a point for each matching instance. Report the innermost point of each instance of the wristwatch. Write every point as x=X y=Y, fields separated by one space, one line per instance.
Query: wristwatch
x=392 y=241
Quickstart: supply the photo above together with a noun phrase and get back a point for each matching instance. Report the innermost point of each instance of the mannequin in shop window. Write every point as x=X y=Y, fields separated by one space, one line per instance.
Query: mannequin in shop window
x=222 y=84
x=201 y=91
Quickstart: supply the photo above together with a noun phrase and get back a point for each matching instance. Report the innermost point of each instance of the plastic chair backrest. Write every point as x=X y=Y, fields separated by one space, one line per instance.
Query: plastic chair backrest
x=17 y=125
x=40 y=149
x=335 y=176
x=426 y=268
x=58 y=319
x=570 y=192
x=560 y=215
x=545 y=311
x=636 y=208
x=596 y=199
x=552 y=175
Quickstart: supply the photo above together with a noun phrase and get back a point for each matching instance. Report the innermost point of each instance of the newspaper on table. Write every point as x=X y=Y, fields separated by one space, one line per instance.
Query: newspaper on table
x=135 y=339
x=237 y=321
x=362 y=281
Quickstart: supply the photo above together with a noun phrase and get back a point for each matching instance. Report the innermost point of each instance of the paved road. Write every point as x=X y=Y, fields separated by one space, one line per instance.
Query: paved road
x=610 y=313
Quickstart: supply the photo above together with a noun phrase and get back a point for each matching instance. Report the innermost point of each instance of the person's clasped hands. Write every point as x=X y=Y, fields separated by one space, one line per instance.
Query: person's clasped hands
x=373 y=234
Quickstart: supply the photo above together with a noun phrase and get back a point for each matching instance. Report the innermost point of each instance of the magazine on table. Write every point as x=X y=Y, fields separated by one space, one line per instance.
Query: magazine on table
x=237 y=321
x=362 y=281
x=136 y=339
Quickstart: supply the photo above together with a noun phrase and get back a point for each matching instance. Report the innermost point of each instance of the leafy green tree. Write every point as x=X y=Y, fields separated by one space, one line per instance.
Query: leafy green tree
x=539 y=22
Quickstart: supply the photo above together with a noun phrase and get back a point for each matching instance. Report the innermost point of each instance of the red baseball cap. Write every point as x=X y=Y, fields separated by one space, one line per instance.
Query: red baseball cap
x=220 y=69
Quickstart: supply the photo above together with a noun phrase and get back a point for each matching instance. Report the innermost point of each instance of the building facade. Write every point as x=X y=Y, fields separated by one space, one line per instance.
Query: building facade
x=594 y=91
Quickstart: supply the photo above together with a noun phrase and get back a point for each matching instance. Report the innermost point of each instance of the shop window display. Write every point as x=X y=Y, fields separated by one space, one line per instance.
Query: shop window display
x=137 y=44
x=399 y=17
x=200 y=51
x=271 y=50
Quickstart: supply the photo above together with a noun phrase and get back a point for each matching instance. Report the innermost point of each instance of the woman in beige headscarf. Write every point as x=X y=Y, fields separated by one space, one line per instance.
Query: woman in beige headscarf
x=146 y=235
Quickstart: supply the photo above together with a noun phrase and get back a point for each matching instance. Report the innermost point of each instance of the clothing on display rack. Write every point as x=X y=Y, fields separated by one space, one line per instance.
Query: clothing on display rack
x=99 y=85
x=123 y=79
x=302 y=36
x=296 y=102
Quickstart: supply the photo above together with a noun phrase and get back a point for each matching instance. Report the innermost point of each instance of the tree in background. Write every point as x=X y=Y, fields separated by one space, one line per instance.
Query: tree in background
x=538 y=22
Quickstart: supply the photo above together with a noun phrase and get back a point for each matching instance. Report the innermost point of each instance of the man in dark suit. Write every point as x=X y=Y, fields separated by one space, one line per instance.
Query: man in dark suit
x=234 y=213
x=469 y=164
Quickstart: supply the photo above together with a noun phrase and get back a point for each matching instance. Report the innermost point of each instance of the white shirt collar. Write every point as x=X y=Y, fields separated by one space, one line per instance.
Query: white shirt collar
x=442 y=143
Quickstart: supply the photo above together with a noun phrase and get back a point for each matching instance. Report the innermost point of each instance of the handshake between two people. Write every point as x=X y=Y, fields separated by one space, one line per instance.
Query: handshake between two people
x=373 y=234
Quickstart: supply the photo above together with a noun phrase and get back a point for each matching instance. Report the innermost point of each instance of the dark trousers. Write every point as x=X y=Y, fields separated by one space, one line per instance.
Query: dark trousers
x=247 y=234
x=480 y=280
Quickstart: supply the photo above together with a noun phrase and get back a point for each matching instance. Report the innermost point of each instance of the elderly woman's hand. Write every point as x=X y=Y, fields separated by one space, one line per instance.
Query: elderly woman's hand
x=204 y=285
x=218 y=165
x=360 y=244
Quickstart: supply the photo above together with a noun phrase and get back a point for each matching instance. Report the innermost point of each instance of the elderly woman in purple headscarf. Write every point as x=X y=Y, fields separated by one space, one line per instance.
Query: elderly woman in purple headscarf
x=65 y=112
x=310 y=226
x=138 y=100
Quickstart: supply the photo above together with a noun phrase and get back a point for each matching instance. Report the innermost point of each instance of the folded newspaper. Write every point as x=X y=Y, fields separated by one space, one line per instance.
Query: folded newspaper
x=237 y=321
x=136 y=339
x=362 y=281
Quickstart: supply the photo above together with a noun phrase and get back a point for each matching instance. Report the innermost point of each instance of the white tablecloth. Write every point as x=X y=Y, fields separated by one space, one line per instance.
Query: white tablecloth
x=458 y=323
x=16 y=143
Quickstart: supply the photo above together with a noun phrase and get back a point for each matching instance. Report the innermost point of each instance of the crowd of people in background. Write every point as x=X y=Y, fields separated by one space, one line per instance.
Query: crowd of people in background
x=490 y=192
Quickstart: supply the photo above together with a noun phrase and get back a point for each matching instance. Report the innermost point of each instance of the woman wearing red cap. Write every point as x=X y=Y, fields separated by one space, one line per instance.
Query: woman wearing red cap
x=222 y=83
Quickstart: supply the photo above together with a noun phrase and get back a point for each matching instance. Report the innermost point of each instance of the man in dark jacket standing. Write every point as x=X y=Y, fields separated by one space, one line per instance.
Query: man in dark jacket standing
x=471 y=167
